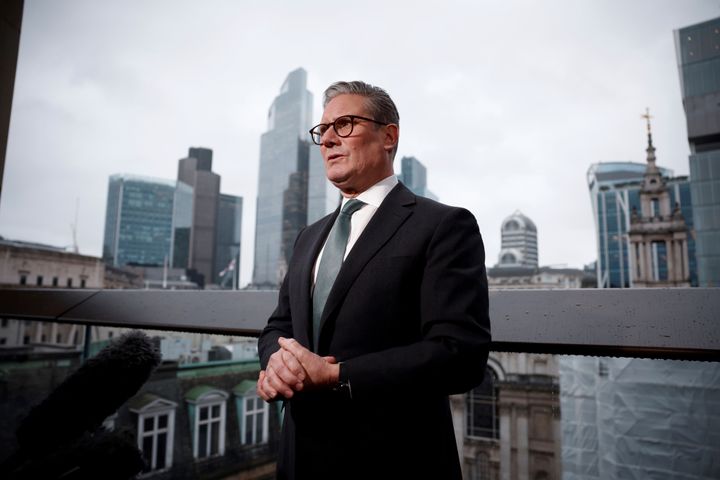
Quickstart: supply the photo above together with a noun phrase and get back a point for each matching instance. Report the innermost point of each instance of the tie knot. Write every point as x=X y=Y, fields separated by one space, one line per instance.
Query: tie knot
x=352 y=206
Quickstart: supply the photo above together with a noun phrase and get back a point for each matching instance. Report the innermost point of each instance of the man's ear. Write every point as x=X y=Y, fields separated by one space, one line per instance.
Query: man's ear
x=392 y=135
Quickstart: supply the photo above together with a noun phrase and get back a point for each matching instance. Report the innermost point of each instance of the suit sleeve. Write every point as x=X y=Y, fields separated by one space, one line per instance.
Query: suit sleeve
x=455 y=326
x=279 y=325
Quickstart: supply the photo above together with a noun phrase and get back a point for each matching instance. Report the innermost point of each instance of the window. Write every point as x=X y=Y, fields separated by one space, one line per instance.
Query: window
x=23 y=279
x=58 y=338
x=3 y=341
x=482 y=419
x=155 y=429
x=69 y=282
x=4 y=322
x=83 y=282
x=55 y=282
x=39 y=280
x=207 y=420
x=252 y=413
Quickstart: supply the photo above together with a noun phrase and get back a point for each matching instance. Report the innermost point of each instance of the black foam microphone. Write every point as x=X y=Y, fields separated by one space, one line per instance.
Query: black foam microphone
x=89 y=395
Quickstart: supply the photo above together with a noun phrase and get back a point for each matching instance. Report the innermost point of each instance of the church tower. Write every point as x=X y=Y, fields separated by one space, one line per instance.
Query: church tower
x=658 y=233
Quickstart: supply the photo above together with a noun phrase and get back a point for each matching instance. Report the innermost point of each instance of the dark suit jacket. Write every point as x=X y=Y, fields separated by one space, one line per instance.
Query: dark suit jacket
x=408 y=318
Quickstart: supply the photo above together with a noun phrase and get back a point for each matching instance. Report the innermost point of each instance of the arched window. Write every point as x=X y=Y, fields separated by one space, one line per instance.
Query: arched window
x=512 y=225
x=482 y=419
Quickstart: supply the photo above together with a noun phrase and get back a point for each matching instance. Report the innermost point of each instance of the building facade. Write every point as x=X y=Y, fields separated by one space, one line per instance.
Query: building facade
x=518 y=245
x=228 y=240
x=284 y=155
x=33 y=265
x=509 y=426
x=138 y=220
x=196 y=171
x=658 y=233
x=614 y=192
x=413 y=175
x=698 y=54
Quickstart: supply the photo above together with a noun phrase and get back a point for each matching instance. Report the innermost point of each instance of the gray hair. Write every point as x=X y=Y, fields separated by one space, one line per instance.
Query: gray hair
x=379 y=104
x=377 y=101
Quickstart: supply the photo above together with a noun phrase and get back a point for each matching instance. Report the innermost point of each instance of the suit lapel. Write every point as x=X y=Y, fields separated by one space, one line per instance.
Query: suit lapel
x=392 y=213
x=303 y=334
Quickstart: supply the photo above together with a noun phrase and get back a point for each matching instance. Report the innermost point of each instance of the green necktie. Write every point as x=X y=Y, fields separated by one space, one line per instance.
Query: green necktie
x=331 y=261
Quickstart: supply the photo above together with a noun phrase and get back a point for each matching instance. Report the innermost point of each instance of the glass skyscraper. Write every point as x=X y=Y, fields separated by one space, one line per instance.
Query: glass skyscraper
x=138 y=220
x=227 y=238
x=614 y=192
x=698 y=52
x=413 y=175
x=284 y=153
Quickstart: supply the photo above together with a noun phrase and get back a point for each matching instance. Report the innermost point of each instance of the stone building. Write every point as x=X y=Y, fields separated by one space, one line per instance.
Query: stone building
x=658 y=233
x=34 y=265
x=509 y=426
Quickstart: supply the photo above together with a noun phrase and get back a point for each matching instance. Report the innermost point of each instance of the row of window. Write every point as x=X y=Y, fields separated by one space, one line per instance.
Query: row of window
x=39 y=281
x=207 y=414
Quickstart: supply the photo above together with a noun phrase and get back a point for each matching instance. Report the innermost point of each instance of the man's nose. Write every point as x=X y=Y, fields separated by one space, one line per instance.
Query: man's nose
x=329 y=138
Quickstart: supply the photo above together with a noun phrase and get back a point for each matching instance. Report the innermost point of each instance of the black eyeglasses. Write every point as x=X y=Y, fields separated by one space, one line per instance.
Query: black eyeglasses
x=343 y=126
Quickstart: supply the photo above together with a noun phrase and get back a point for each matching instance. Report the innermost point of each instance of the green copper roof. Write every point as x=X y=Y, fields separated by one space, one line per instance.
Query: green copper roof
x=195 y=393
x=245 y=387
x=138 y=402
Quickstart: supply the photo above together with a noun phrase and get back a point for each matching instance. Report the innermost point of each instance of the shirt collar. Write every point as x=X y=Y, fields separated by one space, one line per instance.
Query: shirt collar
x=376 y=194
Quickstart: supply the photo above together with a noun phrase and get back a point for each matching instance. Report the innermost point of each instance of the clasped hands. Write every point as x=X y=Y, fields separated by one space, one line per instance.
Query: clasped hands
x=294 y=368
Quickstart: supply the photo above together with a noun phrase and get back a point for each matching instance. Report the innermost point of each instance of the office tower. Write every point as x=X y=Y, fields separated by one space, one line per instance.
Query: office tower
x=658 y=233
x=518 y=246
x=615 y=189
x=413 y=175
x=698 y=53
x=284 y=151
x=138 y=220
x=196 y=171
x=323 y=196
x=181 y=226
x=227 y=240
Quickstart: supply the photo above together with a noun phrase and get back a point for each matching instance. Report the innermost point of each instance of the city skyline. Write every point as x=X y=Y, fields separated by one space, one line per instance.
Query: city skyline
x=529 y=98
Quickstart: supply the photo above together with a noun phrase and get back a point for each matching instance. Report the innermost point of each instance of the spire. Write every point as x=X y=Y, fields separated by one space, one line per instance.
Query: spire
x=650 y=148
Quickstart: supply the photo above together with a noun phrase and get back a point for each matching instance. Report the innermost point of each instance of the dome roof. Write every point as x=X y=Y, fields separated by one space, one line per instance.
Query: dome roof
x=521 y=222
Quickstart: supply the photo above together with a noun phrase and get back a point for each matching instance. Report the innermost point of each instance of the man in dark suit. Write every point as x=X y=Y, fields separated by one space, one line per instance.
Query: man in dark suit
x=382 y=314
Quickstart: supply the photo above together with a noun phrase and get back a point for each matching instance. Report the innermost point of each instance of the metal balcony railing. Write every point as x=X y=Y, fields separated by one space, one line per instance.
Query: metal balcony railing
x=673 y=323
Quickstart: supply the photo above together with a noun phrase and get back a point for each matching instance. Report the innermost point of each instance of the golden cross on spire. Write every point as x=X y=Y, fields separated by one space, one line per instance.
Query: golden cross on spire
x=647 y=117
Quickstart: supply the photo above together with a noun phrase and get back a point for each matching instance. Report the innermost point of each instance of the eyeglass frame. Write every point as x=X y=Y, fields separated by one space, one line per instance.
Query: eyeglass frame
x=352 y=126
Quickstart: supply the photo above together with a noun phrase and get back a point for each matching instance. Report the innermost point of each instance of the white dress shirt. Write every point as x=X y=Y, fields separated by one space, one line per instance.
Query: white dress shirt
x=372 y=197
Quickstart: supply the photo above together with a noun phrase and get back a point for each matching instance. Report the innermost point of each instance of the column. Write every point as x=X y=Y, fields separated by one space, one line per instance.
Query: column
x=523 y=443
x=679 y=267
x=670 y=260
x=505 y=438
x=649 y=262
x=632 y=257
x=557 y=447
x=686 y=264
x=53 y=333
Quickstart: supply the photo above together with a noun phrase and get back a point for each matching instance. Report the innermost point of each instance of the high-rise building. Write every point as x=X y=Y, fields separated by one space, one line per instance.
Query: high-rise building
x=196 y=171
x=698 y=53
x=323 y=196
x=413 y=175
x=615 y=189
x=282 y=201
x=181 y=226
x=138 y=220
x=227 y=240
x=518 y=246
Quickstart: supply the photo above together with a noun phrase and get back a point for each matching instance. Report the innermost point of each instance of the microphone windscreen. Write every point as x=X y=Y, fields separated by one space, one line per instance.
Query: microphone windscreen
x=90 y=394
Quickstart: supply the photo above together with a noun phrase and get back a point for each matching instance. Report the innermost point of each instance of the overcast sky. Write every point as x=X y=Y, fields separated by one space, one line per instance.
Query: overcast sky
x=506 y=103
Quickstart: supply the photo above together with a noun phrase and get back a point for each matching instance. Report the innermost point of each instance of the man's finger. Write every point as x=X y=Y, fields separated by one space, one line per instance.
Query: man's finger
x=292 y=346
x=292 y=364
x=278 y=384
x=330 y=359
